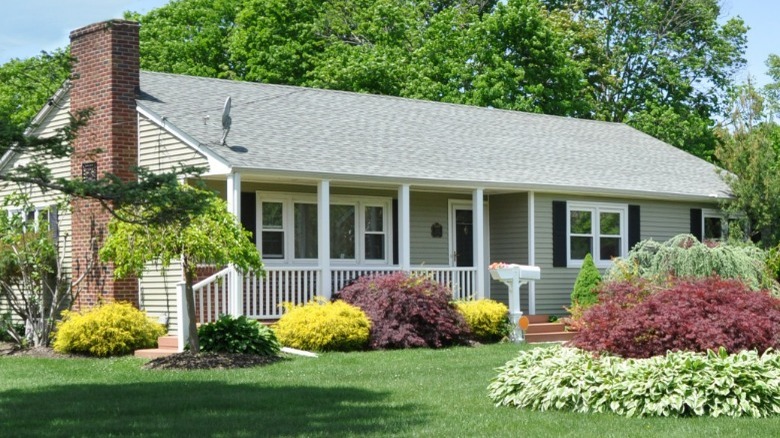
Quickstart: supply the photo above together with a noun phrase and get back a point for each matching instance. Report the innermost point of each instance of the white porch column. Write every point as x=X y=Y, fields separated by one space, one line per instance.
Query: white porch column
x=531 y=251
x=236 y=281
x=323 y=237
x=404 y=229
x=478 y=212
x=182 y=318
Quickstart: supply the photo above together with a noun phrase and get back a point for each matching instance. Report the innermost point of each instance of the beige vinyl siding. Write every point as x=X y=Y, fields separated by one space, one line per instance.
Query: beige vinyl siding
x=508 y=239
x=57 y=119
x=159 y=305
x=427 y=209
x=159 y=151
x=659 y=220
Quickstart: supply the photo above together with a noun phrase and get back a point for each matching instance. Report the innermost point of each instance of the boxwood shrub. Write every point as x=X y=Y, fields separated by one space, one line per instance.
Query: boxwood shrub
x=679 y=383
x=407 y=311
x=108 y=330
x=324 y=326
x=632 y=320
x=488 y=320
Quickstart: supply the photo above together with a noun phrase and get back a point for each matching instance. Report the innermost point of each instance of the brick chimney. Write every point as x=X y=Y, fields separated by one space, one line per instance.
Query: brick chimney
x=106 y=79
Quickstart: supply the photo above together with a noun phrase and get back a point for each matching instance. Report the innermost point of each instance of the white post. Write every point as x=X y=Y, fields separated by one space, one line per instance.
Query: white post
x=478 y=212
x=182 y=319
x=531 y=251
x=235 y=280
x=323 y=237
x=404 y=228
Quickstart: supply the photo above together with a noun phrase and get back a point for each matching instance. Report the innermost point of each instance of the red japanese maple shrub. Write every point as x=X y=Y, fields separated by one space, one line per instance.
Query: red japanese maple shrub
x=690 y=315
x=407 y=311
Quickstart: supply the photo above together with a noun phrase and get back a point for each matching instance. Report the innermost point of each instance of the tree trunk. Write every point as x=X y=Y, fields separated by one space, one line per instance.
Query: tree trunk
x=189 y=277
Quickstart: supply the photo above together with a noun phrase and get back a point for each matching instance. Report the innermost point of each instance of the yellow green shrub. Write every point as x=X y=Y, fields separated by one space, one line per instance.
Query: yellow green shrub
x=323 y=326
x=107 y=330
x=487 y=319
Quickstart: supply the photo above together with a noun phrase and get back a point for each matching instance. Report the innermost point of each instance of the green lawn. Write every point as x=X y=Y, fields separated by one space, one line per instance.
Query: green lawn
x=402 y=393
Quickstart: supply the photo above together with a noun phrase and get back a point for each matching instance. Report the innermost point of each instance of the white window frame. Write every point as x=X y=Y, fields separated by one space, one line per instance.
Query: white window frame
x=596 y=208
x=716 y=214
x=37 y=210
x=288 y=201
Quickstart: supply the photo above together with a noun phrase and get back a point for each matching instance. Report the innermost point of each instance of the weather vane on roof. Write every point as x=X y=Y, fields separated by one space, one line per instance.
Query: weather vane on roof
x=226 y=121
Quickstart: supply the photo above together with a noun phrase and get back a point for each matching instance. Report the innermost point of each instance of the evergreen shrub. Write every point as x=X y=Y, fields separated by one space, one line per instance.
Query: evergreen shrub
x=239 y=336
x=681 y=383
x=407 y=311
x=585 y=292
x=107 y=330
x=324 y=326
x=488 y=320
x=683 y=256
x=634 y=320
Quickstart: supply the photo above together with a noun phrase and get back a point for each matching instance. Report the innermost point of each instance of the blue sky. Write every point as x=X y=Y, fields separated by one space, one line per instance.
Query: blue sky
x=29 y=26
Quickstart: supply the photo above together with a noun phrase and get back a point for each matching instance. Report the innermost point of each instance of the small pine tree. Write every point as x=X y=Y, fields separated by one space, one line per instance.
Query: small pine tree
x=584 y=293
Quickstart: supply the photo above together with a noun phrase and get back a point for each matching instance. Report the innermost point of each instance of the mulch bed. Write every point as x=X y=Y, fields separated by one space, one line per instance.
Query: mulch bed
x=205 y=361
x=179 y=361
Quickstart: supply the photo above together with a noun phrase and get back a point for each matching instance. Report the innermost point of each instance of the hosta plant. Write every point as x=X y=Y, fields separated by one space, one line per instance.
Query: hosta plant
x=677 y=384
x=324 y=326
x=238 y=335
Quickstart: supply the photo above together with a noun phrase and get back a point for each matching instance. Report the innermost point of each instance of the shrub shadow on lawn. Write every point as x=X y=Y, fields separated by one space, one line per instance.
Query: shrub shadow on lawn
x=203 y=409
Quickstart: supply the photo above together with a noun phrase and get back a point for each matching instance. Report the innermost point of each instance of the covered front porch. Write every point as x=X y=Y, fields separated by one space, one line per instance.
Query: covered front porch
x=318 y=235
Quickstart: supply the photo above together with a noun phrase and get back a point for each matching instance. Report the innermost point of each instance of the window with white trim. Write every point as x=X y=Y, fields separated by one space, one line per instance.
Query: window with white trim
x=358 y=228
x=713 y=227
x=35 y=215
x=598 y=229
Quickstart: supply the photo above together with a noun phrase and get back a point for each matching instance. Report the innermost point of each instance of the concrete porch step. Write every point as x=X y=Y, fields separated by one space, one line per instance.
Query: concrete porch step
x=166 y=346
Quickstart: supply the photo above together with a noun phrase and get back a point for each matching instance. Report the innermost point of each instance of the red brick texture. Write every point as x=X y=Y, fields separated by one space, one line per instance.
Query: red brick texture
x=106 y=79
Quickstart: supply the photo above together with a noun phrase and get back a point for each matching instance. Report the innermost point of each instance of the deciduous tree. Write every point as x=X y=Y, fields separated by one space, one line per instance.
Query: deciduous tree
x=213 y=236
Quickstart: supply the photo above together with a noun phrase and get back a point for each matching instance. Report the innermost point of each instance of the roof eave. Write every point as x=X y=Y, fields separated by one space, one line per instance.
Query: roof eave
x=50 y=106
x=490 y=185
x=217 y=164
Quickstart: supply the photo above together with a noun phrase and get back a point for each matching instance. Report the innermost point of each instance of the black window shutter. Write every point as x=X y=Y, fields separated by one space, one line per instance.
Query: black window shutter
x=559 y=234
x=696 y=223
x=634 y=231
x=395 y=231
x=249 y=213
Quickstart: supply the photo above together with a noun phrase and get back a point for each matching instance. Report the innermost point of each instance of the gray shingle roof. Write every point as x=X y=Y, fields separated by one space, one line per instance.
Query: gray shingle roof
x=296 y=129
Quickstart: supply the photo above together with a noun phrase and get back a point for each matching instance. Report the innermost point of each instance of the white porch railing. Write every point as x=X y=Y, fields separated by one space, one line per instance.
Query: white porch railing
x=212 y=296
x=462 y=281
x=341 y=277
x=264 y=295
